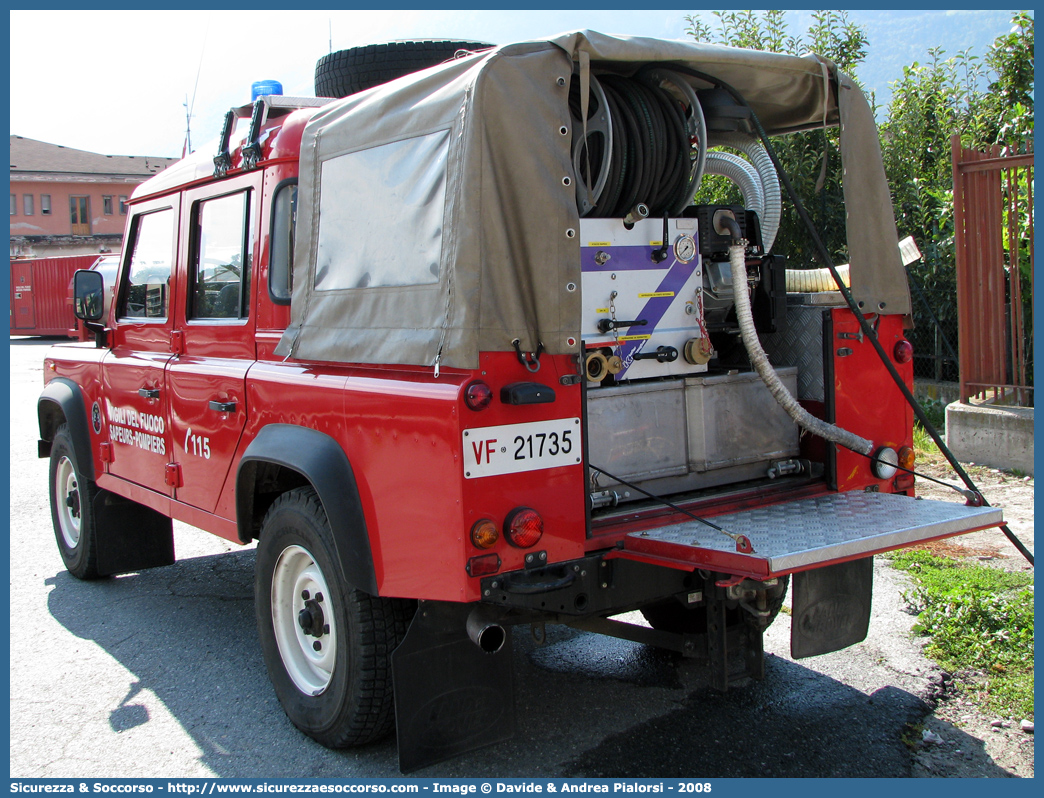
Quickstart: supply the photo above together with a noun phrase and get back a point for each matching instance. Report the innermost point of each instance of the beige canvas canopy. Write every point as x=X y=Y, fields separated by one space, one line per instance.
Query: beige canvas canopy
x=435 y=221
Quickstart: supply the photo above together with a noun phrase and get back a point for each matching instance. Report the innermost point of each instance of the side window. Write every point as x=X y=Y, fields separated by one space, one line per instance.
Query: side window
x=146 y=294
x=281 y=248
x=221 y=268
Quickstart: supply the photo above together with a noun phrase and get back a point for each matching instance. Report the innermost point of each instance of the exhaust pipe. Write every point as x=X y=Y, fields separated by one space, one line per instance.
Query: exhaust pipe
x=484 y=630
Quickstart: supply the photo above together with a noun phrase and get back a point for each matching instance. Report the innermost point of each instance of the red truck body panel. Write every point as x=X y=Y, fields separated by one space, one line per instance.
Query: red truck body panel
x=408 y=513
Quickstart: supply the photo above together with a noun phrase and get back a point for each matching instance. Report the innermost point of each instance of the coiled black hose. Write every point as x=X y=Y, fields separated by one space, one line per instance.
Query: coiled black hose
x=650 y=160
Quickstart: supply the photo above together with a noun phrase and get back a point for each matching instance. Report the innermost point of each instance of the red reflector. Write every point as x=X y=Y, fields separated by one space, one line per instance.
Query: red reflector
x=903 y=352
x=478 y=395
x=483 y=565
x=904 y=481
x=523 y=527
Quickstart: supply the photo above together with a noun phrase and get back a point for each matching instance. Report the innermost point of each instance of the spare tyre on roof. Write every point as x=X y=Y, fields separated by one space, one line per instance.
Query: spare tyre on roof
x=347 y=71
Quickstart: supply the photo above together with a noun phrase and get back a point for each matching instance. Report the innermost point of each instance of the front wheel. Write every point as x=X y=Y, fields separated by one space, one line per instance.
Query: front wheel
x=72 y=508
x=327 y=646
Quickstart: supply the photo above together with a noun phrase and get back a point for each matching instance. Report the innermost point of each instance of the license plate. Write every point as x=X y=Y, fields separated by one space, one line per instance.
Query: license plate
x=513 y=448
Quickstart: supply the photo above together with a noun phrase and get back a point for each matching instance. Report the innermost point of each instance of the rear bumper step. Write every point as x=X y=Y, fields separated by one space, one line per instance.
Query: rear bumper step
x=807 y=533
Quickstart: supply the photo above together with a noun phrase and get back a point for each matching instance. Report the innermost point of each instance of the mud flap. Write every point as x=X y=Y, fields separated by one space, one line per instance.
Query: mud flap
x=131 y=536
x=450 y=696
x=831 y=607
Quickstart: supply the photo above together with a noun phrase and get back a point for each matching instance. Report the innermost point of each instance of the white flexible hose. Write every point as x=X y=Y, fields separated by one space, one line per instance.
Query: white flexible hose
x=761 y=364
x=814 y=281
x=759 y=156
x=743 y=174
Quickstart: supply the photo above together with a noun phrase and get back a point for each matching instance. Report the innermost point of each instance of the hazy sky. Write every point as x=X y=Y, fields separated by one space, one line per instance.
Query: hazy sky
x=116 y=82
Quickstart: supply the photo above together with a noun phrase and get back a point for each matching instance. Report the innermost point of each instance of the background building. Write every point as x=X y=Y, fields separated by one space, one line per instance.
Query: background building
x=71 y=202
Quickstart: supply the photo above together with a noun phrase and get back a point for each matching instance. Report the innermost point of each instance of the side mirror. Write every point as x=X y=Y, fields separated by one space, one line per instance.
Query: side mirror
x=88 y=295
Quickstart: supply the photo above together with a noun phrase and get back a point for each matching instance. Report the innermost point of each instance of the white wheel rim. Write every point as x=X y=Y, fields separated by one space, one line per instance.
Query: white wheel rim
x=295 y=576
x=67 y=497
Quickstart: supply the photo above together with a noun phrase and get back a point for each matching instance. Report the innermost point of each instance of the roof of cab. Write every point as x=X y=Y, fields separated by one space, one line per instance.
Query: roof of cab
x=285 y=118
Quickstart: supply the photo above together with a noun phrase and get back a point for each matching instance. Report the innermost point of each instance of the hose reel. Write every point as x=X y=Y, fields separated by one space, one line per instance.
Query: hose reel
x=646 y=144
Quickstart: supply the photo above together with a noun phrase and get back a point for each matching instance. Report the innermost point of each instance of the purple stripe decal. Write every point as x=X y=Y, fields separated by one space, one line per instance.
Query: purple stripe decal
x=655 y=307
x=621 y=259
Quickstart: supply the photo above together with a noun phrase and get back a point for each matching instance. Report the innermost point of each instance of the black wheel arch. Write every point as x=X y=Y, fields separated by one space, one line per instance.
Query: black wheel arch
x=62 y=403
x=284 y=456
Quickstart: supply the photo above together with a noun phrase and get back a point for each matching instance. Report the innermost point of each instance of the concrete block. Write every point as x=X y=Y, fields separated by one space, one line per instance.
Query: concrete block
x=936 y=391
x=993 y=435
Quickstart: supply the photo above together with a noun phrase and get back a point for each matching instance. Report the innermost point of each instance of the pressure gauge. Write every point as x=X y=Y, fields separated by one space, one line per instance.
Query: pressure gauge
x=685 y=249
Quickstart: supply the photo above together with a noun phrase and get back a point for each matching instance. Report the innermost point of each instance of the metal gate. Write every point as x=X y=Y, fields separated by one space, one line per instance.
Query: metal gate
x=993 y=215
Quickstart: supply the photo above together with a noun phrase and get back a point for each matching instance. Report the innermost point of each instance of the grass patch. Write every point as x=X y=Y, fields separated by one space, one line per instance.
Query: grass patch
x=924 y=447
x=935 y=410
x=980 y=622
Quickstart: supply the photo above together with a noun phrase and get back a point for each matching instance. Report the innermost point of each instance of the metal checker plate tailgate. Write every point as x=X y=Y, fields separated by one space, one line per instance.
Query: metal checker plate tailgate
x=810 y=532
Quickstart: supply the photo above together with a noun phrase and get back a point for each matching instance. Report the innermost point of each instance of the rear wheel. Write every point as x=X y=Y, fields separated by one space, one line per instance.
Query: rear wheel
x=327 y=646
x=72 y=508
x=355 y=69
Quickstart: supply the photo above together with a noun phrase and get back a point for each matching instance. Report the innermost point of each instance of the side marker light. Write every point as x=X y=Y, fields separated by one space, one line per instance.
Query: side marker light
x=477 y=395
x=903 y=352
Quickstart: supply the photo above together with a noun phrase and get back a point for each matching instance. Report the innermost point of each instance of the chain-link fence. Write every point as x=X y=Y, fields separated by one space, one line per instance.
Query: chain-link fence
x=933 y=289
x=933 y=293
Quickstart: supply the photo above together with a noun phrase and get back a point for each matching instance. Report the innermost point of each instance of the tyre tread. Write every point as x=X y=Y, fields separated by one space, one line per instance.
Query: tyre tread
x=86 y=565
x=346 y=72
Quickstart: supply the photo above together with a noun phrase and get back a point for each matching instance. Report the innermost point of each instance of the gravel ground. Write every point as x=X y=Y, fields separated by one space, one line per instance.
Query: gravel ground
x=975 y=744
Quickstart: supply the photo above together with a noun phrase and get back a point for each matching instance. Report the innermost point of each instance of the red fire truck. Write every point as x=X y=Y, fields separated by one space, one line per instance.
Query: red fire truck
x=460 y=353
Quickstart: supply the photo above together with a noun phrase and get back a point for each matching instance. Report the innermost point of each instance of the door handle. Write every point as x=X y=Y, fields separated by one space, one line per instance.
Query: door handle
x=149 y=393
x=222 y=407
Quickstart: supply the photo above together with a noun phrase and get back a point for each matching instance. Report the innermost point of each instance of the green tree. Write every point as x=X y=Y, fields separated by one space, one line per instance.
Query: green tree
x=833 y=35
x=930 y=103
x=1010 y=96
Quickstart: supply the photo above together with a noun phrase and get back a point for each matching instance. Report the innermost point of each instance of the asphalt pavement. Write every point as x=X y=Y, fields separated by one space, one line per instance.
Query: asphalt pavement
x=159 y=674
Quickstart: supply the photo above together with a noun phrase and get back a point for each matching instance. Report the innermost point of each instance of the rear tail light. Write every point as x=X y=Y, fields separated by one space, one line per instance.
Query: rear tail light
x=477 y=395
x=484 y=534
x=903 y=352
x=523 y=527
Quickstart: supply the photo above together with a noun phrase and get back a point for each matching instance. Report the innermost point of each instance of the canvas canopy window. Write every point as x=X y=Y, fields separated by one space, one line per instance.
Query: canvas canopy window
x=403 y=188
x=438 y=218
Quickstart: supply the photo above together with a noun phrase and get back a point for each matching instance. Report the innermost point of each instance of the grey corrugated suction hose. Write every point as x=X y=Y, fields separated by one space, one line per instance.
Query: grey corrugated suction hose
x=743 y=174
x=760 y=361
x=759 y=156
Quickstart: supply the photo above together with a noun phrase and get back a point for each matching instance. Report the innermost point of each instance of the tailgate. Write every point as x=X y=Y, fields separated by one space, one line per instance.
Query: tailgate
x=807 y=533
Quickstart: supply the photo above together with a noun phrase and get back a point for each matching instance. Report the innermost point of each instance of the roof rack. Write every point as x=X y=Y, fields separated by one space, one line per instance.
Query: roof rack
x=265 y=107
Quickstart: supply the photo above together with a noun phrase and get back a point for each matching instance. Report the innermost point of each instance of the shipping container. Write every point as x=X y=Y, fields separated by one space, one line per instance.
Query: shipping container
x=40 y=300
